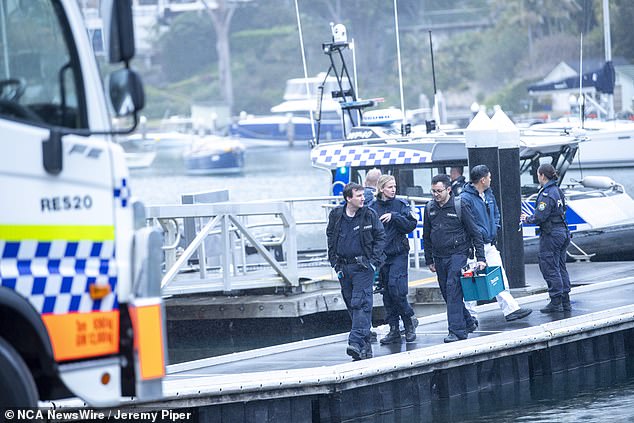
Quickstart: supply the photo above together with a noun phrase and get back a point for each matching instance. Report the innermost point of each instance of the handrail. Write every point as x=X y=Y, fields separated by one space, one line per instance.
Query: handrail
x=231 y=223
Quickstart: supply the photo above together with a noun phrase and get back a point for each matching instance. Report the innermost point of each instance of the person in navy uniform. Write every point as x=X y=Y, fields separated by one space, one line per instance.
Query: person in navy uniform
x=554 y=238
x=371 y=179
x=458 y=181
x=398 y=221
x=355 y=250
x=447 y=239
x=478 y=195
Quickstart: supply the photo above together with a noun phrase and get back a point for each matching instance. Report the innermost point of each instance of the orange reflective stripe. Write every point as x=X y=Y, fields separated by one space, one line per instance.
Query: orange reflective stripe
x=147 y=322
x=83 y=335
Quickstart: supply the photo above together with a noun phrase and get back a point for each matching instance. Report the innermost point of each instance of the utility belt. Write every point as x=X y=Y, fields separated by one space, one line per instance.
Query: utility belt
x=353 y=260
x=547 y=226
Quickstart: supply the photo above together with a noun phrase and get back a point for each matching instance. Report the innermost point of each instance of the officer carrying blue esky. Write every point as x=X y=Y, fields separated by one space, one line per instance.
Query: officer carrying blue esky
x=448 y=239
x=355 y=250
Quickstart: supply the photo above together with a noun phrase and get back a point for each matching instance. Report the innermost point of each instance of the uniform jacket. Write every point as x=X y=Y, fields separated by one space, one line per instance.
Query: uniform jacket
x=485 y=212
x=458 y=185
x=550 y=208
x=445 y=235
x=372 y=235
x=398 y=227
x=369 y=196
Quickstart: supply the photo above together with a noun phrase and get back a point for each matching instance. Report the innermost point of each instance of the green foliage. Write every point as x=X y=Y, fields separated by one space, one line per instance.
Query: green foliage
x=188 y=47
x=525 y=39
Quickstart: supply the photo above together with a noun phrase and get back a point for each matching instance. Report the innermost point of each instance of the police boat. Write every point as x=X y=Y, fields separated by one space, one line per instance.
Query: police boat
x=600 y=213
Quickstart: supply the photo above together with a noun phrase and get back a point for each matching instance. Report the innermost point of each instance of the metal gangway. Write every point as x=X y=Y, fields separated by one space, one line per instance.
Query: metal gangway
x=228 y=247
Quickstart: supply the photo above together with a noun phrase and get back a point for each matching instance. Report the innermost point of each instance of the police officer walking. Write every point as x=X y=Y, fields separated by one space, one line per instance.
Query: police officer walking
x=355 y=250
x=479 y=198
x=398 y=221
x=554 y=238
x=448 y=238
x=458 y=181
x=371 y=179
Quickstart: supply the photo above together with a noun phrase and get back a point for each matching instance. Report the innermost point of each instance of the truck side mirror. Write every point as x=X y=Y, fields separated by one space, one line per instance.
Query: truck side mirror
x=118 y=28
x=126 y=92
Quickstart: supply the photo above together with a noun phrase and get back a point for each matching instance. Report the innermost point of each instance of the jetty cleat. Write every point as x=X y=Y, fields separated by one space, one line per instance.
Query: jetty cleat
x=518 y=314
x=452 y=337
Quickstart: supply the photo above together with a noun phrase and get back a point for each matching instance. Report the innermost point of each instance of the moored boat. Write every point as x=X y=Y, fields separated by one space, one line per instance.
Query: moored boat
x=600 y=213
x=213 y=155
x=290 y=120
x=610 y=143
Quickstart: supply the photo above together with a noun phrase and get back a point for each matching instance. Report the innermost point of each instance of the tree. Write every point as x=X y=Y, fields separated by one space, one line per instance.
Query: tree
x=221 y=16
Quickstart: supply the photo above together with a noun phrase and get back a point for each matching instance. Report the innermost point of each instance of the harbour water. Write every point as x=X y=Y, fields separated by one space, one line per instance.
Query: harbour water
x=591 y=395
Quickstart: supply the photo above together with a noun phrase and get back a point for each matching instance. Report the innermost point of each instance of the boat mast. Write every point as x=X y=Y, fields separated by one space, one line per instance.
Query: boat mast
x=608 y=50
x=400 y=70
x=308 y=93
x=582 y=99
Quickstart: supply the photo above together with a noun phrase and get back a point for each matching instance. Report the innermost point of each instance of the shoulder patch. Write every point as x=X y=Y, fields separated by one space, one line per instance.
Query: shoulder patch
x=541 y=206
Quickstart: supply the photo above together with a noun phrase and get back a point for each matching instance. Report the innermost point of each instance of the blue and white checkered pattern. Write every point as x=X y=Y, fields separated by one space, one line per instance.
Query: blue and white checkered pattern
x=355 y=156
x=55 y=276
x=122 y=192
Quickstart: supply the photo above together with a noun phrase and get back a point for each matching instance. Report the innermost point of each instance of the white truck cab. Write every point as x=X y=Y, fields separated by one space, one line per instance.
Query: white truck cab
x=80 y=305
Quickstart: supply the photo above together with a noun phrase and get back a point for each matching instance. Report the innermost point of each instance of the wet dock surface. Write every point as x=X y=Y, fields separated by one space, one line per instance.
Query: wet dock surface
x=613 y=287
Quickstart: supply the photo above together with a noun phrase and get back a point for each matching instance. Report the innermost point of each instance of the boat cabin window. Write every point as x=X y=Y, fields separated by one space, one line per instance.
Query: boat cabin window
x=39 y=69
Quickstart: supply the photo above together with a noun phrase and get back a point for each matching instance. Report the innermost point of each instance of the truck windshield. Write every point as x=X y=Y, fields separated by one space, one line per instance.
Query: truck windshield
x=38 y=76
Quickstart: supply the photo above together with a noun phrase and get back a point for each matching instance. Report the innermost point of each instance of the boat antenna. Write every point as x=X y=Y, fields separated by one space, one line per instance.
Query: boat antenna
x=308 y=93
x=608 y=51
x=582 y=98
x=352 y=46
x=404 y=126
x=436 y=111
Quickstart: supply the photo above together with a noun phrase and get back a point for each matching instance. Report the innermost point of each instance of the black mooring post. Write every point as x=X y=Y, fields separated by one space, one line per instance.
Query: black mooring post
x=512 y=245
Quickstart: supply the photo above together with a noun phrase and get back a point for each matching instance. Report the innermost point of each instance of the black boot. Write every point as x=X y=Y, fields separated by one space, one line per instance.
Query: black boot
x=394 y=335
x=410 y=324
x=565 y=302
x=554 y=306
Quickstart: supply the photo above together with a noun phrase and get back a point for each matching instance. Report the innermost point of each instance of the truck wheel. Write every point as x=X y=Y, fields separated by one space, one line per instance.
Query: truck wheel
x=17 y=388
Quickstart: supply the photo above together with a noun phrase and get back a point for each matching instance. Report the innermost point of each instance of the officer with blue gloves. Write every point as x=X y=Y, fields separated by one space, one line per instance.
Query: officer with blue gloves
x=355 y=250
x=398 y=221
x=448 y=239
x=554 y=238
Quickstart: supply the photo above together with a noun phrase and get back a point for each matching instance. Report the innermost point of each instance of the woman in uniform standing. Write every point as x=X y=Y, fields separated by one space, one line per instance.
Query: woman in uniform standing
x=398 y=221
x=554 y=238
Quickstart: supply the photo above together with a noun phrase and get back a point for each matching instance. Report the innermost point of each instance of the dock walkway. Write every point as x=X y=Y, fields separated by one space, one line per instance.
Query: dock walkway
x=317 y=375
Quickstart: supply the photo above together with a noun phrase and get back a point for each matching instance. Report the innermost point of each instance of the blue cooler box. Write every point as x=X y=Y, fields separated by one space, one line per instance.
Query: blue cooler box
x=483 y=285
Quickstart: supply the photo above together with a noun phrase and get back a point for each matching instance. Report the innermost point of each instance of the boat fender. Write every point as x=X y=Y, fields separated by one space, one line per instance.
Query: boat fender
x=598 y=182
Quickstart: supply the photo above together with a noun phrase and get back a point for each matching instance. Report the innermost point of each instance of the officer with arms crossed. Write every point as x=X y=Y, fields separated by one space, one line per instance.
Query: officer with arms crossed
x=355 y=250
x=398 y=221
x=448 y=239
x=554 y=238
x=479 y=198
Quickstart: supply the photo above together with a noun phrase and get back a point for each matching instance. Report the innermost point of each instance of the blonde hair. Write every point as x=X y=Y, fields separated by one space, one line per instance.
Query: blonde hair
x=383 y=181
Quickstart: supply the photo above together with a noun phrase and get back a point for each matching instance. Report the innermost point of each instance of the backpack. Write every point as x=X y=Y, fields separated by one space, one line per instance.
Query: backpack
x=457 y=203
